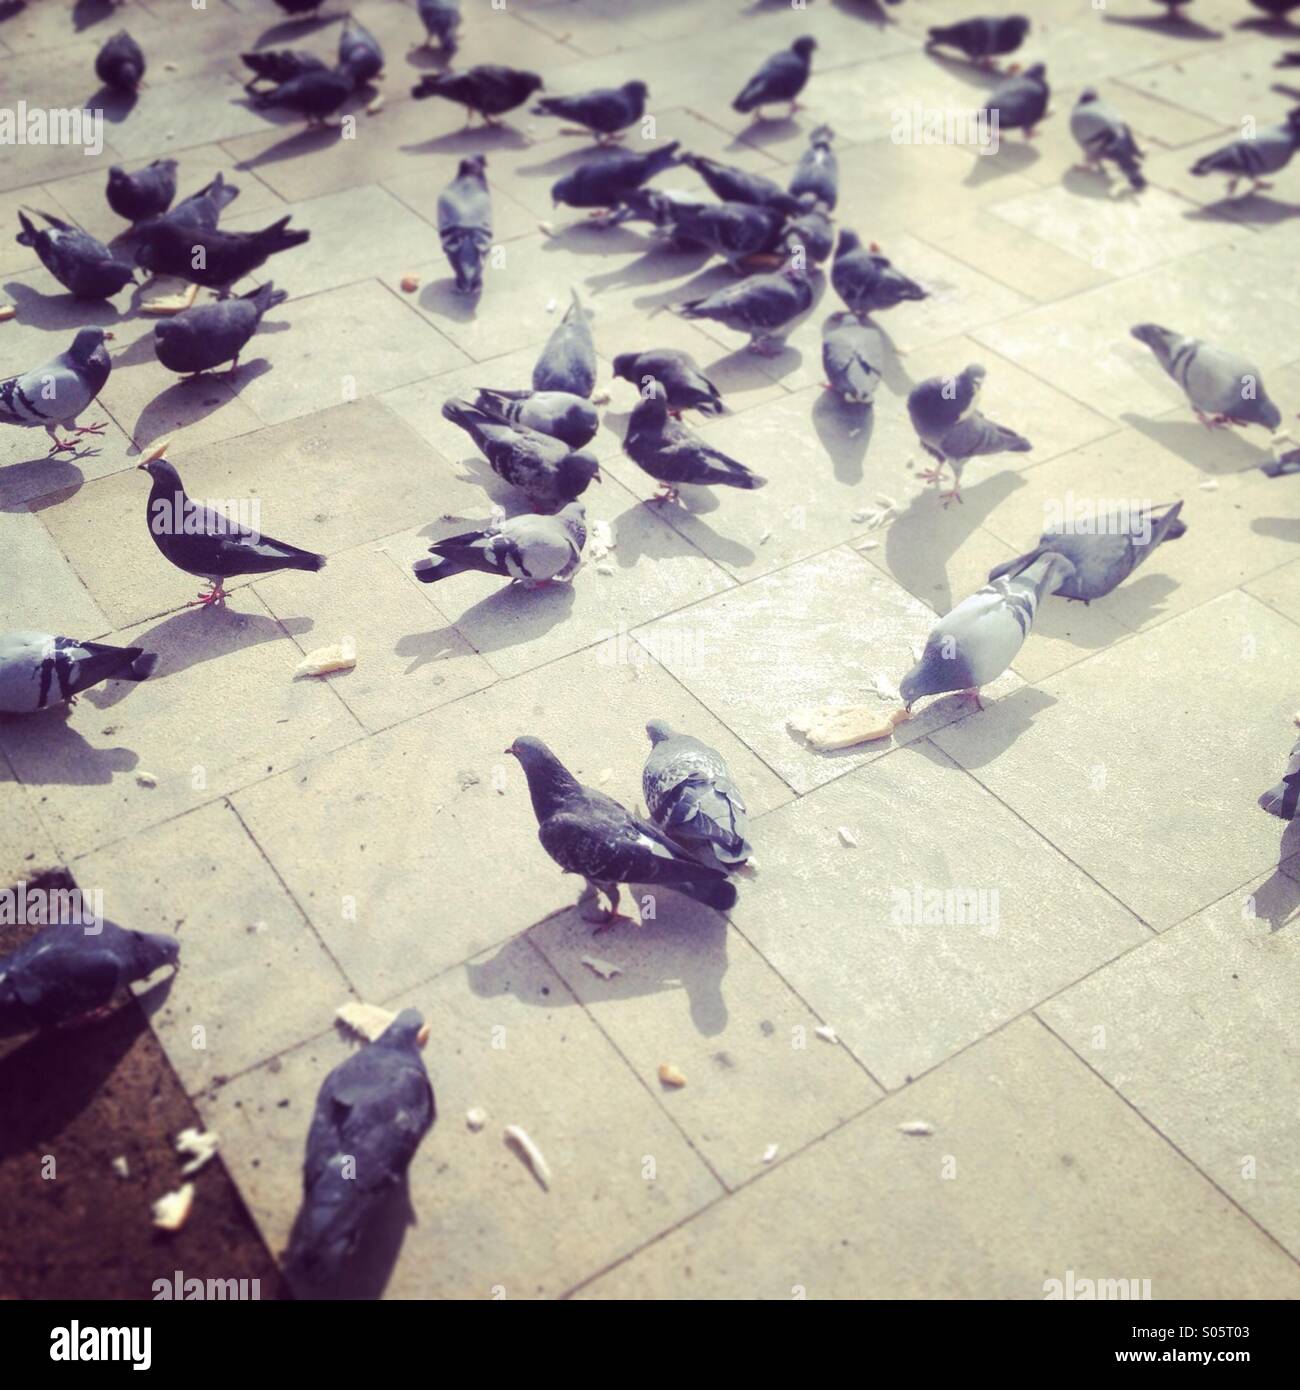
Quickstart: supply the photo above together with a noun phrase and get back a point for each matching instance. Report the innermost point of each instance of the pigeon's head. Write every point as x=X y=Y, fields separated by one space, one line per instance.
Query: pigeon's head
x=638 y=91
x=473 y=167
x=549 y=781
x=407 y=1032
x=1036 y=72
x=927 y=677
x=1159 y=340
x=529 y=82
x=973 y=377
x=573 y=518
x=822 y=136
x=1087 y=96
x=658 y=729
x=561 y=189
x=625 y=365
x=804 y=46
x=161 y=471
x=575 y=473
x=849 y=241
x=117 y=176
x=150 y=951
x=1293 y=118
x=87 y=343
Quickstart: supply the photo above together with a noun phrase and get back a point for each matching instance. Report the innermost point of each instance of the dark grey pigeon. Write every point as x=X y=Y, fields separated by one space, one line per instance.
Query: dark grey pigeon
x=1022 y=101
x=1281 y=800
x=675 y=456
x=39 y=670
x=982 y=38
x=1266 y=152
x=545 y=470
x=809 y=237
x=465 y=223
x=299 y=6
x=661 y=208
x=818 y=171
x=691 y=796
x=201 y=338
x=678 y=373
x=489 y=89
x=208 y=544
x=568 y=361
x=560 y=414
x=733 y=231
x=951 y=429
x=1102 y=559
x=314 y=95
x=120 y=63
x=204 y=208
x=852 y=352
x=764 y=306
x=531 y=549
x=441 y=20
x=279 y=65
x=371 y=1114
x=84 y=266
x=605 y=180
x=866 y=280
x=734 y=185
x=360 y=55
x=171 y=248
x=57 y=393
x=589 y=833
x=781 y=78
x=146 y=193
x=605 y=112
x=66 y=972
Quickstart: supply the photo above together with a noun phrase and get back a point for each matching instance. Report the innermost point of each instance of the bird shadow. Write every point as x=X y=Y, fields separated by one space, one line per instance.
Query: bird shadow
x=659 y=262
x=301 y=142
x=60 y=311
x=85 y=13
x=990 y=731
x=685 y=520
x=56 y=480
x=1011 y=157
x=1144 y=598
x=1253 y=209
x=1279 y=25
x=116 y=106
x=441 y=297
x=966 y=70
x=47 y=751
x=365 y=1274
x=423 y=57
x=845 y=431
x=563 y=163
x=762 y=132
x=1278 y=528
x=507 y=617
x=1087 y=183
x=186 y=402
x=588 y=238
x=1172 y=26
x=870 y=11
x=1276 y=899
x=1213 y=451
x=471 y=140
x=286 y=30
x=774 y=364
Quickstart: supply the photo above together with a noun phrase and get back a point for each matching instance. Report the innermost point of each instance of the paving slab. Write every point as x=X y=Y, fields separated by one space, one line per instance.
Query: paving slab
x=44 y=588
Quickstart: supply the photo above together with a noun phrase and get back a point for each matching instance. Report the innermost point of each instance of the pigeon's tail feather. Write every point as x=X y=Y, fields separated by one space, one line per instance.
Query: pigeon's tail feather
x=141 y=668
x=464 y=253
x=1168 y=526
x=111 y=663
x=267 y=296
x=221 y=192
x=1010 y=568
x=302 y=559
x=743 y=478
x=27 y=237
x=279 y=237
x=1012 y=442
x=429 y=571
x=1281 y=801
x=716 y=893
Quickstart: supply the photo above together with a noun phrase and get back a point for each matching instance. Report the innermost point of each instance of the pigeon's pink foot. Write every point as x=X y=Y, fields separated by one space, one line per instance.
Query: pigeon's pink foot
x=98 y=428
x=666 y=494
x=1258 y=184
x=89 y=1017
x=952 y=496
x=60 y=445
x=931 y=475
x=612 y=919
x=973 y=695
x=214 y=595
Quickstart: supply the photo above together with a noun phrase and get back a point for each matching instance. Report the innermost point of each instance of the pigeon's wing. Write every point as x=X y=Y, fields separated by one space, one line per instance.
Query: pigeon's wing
x=1018 y=103
x=47 y=395
x=781 y=78
x=976 y=435
x=63 y=980
x=601 y=840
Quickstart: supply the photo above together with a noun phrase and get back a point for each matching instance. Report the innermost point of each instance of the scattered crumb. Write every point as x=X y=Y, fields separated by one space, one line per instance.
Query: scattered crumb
x=670 y=1076
x=600 y=540
x=467 y=779
x=860 y=515
x=475 y=1118
x=552 y=305
x=375 y=106
x=886 y=689
x=342 y=656
x=604 y=775
x=547 y=229
x=600 y=397
x=366 y=1020
x=827 y=1033
x=604 y=569
x=172 y=1211
x=146 y=779
x=200 y=1145
x=847 y=837
x=170 y=67
x=837 y=726
x=120 y=1166
x=604 y=968
x=1210 y=485
x=869 y=545
x=410 y=283
x=519 y=1140
x=770 y=1152
x=916 y=1127
x=7 y=311
x=765 y=537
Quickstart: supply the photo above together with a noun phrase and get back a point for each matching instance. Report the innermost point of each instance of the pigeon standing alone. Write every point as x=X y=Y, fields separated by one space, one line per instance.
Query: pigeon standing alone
x=690 y=794
x=589 y=833
x=489 y=89
x=951 y=430
x=568 y=361
x=120 y=63
x=1268 y=151
x=1103 y=134
x=206 y=335
x=674 y=455
x=678 y=373
x=982 y=38
x=851 y=355
x=560 y=414
x=1021 y=102
x=764 y=306
x=1223 y=387
x=83 y=265
x=441 y=20
x=57 y=393
x=38 y=669
x=531 y=549
x=146 y=193
x=606 y=112
x=465 y=223
x=781 y=78
x=866 y=280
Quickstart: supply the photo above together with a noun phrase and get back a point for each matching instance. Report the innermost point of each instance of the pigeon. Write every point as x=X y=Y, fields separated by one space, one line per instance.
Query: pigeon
x=952 y=430
x=975 y=642
x=1021 y=102
x=315 y=95
x=57 y=393
x=1223 y=388
x=371 y=1114
x=818 y=171
x=568 y=361
x=465 y=223
x=120 y=63
x=204 y=208
x=661 y=208
x=38 y=670
x=866 y=280
x=764 y=306
x=279 y=65
x=1269 y=151
x=489 y=89
x=606 y=111
x=981 y=39
x=170 y=248
x=674 y=455
x=1102 y=134
x=589 y=833
x=441 y=20
x=299 y=6
x=781 y=78
x=1279 y=9
x=545 y=470
x=207 y=543
x=82 y=265
x=71 y=971
x=809 y=237
x=360 y=56
x=690 y=795
x=560 y=414
x=531 y=549
x=146 y=193
x=198 y=339
x=734 y=185
x=733 y=231
x=678 y=373
x=1280 y=801
x=851 y=354
x=605 y=180
x=1102 y=557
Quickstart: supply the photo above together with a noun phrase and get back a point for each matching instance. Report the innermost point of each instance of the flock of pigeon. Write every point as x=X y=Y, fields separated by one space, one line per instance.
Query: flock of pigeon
x=375 y=1108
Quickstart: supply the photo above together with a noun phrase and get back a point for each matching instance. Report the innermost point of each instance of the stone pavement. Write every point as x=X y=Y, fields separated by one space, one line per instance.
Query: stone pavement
x=1108 y=1059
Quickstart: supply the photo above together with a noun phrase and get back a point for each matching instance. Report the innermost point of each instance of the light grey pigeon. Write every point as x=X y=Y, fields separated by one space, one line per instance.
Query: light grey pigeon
x=465 y=223
x=72 y=970
x=691 y=796
x=1267 y=152
x=38 y=669
x=589 y=833
x=952 y=430
x=1021 y=102
x=675 y=456
x=441 y=20
x=818 y=171
x=371 y=1113
x=531 y=549
x=866 y=280
x=678 y=373
x=560 y=414
x=1281 y=800
x=568 y=361
x=851 y=354
x=1103 y=135
x=764 y=306
x=57 y=393
x=781 y=78
x=1223 y=387
x=975 y=642
x=1106 y=555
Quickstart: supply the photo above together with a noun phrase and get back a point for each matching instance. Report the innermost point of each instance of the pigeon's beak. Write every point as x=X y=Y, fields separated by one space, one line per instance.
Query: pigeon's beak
x=596 y=478
x=510 y=752
x=422 y=1037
